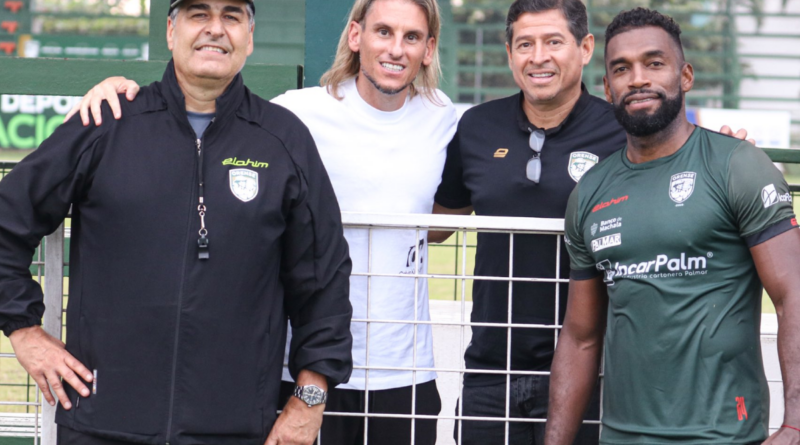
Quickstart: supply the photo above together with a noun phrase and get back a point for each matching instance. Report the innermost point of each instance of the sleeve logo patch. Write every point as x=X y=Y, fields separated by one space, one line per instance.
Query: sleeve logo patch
x=681 y=186
x=770 y=196
x=579 y=163
x=244 y=183
x=606 y=242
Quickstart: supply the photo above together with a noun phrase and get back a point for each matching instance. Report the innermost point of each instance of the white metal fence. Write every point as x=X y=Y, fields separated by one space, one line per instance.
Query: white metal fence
x=450 y=320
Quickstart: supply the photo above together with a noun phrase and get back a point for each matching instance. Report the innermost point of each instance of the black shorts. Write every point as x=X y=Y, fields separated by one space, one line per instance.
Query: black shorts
x=346 y=430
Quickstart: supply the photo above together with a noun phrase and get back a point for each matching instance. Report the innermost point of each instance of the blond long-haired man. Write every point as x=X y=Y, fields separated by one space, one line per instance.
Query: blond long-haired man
x=382 y=129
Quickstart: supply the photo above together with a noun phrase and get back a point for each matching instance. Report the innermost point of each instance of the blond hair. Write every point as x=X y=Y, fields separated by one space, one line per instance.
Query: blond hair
x=347 y=63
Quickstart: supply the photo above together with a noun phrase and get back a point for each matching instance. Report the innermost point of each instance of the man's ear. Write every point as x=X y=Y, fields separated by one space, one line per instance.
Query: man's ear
x=250 y=45
x=354 y=36
x=430 y=49
x=687 y=77
x=607 y=90
x=587 y=49
x=170 y=32
x=508 y=52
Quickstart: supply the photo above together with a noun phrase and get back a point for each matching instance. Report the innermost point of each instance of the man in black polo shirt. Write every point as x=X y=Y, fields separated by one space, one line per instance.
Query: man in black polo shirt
x=522 y=156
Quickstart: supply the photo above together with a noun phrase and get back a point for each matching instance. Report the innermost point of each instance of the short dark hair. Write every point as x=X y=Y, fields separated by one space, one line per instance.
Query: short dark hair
x=573 y=10
x=642 y=18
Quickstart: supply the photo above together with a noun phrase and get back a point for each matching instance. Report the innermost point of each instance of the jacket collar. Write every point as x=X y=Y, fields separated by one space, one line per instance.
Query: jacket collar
x=526 y=126
x=226 y=104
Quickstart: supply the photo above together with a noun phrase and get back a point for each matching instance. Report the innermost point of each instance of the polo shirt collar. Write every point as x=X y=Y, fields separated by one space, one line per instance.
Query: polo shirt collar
x=526 y=126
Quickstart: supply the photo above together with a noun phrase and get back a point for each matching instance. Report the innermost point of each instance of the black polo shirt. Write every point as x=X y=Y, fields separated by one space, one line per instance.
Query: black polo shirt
x=485 y=168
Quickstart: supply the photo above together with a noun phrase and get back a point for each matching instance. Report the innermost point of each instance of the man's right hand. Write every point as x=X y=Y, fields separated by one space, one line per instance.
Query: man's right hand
x=106 y=90
x=47 y=361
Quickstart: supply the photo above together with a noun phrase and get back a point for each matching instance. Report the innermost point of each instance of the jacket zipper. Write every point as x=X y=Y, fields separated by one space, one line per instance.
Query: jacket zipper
x=199 y=144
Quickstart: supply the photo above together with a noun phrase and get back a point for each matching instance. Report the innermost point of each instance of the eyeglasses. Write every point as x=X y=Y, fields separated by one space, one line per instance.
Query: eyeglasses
x=534 y=168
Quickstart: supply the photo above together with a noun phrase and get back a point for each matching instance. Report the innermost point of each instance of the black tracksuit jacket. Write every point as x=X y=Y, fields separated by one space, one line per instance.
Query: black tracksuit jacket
x=187 y=351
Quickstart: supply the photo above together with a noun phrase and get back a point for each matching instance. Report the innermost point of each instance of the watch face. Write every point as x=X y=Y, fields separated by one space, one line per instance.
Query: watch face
x=313 y=395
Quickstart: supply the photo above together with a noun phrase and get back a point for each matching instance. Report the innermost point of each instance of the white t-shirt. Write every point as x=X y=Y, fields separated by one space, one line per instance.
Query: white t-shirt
x=382 y=162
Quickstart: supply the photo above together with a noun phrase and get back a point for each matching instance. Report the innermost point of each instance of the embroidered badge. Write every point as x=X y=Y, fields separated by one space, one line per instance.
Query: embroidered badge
x=681 y=186
x=244 y=183
x=579 y=163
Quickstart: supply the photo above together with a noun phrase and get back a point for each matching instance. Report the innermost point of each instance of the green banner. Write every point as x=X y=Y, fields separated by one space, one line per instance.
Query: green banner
x=26 y=121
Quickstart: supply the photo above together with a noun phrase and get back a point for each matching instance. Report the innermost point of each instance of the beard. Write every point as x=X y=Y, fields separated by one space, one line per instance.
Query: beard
x=381 y=88
x=641 y=123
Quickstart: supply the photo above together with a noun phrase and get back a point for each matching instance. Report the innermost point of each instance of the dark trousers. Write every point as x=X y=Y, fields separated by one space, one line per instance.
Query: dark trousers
x=528 y=400
x=346 y=430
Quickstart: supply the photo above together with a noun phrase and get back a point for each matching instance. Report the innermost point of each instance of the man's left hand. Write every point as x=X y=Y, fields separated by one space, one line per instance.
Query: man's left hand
x=784 y=436
x=297 y=425
x=741 y=134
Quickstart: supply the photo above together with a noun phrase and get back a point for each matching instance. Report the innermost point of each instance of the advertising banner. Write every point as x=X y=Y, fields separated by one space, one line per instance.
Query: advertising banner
x=26 y=121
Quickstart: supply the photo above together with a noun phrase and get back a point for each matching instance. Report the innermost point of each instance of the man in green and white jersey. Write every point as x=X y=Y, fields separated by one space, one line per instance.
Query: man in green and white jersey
x=670 y=241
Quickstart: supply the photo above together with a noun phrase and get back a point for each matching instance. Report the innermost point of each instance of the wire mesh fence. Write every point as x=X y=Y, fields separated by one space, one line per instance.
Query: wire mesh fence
x=446 y=272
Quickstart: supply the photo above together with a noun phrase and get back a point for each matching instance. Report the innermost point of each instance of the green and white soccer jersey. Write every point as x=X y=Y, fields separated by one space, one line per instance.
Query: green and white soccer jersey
x=671 y=238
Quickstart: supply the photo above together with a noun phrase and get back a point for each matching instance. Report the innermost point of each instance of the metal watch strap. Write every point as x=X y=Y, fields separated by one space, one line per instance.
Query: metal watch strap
x=299 y=392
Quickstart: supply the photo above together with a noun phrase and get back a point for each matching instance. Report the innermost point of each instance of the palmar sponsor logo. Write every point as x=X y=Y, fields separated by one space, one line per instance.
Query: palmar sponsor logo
x=606 y=242
x=661 y=267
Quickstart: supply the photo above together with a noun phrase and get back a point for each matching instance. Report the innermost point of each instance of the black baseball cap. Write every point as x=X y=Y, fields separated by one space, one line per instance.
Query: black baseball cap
x=176 y=3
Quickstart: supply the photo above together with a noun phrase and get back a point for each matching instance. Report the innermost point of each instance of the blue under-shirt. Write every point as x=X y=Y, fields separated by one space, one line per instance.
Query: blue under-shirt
x=200 y=121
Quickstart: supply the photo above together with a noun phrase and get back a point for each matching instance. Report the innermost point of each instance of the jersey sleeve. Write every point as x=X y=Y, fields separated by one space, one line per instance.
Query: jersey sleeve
x=758 y=195
x=315 y=269
x=582 y=265
x=452 y=192
x=35 y=197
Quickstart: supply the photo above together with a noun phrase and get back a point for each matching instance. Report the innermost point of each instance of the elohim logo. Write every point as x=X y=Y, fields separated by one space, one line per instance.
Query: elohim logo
x=240 y=163
x=771 y=197
x=681 y=186
x=612 y=202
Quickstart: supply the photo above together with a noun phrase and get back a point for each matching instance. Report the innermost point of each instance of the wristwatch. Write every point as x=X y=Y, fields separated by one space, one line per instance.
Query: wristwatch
x=311 y=395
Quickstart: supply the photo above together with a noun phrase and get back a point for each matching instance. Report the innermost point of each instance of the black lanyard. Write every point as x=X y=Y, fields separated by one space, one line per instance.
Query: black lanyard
x=202 y=242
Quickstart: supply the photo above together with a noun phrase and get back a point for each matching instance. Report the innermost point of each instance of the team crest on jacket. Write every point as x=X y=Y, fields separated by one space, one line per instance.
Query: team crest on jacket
x=579 y=163
x=244 y=183
x=681 y=186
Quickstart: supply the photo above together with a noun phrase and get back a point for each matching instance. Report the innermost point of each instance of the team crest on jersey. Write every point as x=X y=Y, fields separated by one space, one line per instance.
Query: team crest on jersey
x=579 y=163
x=244 y=183
x=594 y=228
x=681 y=186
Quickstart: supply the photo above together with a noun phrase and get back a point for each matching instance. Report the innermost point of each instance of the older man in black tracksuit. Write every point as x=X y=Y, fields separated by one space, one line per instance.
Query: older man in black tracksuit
x=198 y=224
